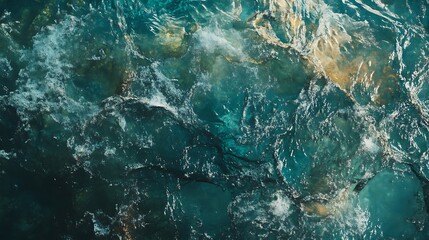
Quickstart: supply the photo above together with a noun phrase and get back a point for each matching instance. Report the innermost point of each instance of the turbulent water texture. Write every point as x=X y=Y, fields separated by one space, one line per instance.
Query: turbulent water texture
x=232 y=119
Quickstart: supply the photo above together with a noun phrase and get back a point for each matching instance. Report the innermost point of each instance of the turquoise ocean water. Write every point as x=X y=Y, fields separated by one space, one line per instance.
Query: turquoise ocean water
x=200 y=119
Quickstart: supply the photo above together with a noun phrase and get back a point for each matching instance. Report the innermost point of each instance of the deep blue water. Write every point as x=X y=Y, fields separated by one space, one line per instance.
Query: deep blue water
x=233 y=119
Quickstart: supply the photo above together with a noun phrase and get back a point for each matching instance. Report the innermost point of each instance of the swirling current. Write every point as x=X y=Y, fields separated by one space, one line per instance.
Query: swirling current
x=203 y=119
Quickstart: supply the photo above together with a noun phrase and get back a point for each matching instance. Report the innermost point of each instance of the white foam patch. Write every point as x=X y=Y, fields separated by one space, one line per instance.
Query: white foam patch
x=346 y=214
x=42 y=85
x=109 y=151
x=5 y=68
x=80 y=151
x=99 y=228
x=361 y=220
x=214 y=40
x=369 y=144
x=152 y=89
x=122 y=123
x=6 y=155
x=158 y=100
x=280 y=206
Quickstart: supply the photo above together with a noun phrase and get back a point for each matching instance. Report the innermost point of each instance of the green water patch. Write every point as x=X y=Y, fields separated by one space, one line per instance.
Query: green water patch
x=393 y=199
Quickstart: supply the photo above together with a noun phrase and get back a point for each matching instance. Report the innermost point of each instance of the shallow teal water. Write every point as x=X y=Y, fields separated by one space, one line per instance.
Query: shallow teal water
x=238 y=119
